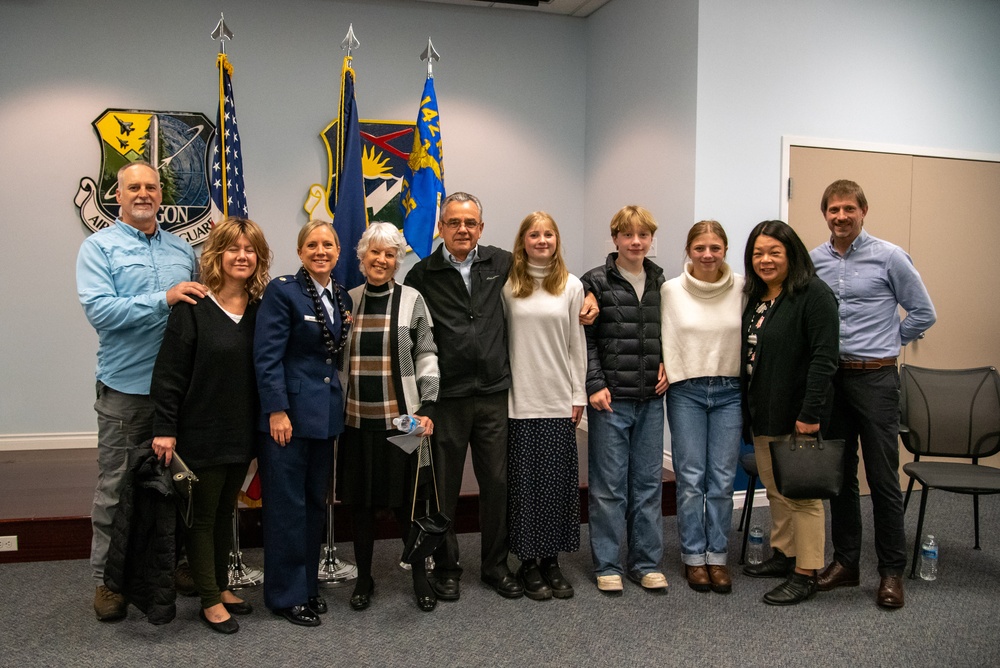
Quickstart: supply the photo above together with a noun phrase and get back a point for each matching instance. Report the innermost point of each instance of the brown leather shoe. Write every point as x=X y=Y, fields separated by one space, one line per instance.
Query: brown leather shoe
x=719 y=575
x=109 y=606
x=890 y=592
x=697 y=577
x=836 y=575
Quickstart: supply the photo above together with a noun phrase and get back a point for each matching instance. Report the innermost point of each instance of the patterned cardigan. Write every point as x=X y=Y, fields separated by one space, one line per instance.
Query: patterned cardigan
x=415 y=367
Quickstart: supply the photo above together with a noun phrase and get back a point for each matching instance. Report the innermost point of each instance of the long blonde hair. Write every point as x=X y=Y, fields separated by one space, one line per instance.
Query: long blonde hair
x=223 y=235
x=521 y=282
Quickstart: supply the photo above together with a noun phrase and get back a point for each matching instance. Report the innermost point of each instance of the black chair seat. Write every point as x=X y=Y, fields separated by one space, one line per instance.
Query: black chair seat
x=955 y=477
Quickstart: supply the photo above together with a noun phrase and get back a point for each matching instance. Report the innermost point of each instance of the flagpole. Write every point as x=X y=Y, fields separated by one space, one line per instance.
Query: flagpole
x=222 y=33
x=334 y=571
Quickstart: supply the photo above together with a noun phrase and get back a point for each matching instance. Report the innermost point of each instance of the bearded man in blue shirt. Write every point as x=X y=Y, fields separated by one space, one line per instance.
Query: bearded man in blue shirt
x=871 y=279
x=128 y=276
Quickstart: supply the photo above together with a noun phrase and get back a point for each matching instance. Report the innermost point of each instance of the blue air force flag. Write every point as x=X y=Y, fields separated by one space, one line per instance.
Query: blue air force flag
x=423 y=180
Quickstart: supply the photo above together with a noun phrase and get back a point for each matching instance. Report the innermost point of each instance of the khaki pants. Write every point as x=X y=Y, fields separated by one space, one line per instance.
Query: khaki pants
x=798 y=526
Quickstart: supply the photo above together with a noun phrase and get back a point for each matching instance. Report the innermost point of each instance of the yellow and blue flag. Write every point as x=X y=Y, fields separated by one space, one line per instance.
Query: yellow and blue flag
x=229 y=196
x=347 y=191
x=423 y=179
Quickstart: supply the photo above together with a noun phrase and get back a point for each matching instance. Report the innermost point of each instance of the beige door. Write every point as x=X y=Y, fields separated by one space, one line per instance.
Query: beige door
x=943 y=212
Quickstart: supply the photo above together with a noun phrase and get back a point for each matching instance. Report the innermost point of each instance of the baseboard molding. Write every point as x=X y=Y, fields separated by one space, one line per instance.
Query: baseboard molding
x=55 y=441
x=58 y=538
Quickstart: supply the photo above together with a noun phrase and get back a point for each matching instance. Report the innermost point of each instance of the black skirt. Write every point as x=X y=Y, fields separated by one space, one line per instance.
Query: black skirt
x=373 y=472
x=543 y=496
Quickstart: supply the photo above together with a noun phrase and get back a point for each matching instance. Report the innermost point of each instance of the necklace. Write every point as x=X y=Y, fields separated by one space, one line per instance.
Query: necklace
x=345 y=315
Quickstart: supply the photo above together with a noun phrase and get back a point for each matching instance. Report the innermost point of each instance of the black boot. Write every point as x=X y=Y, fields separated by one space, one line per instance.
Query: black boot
x=532 y=581
x=795 y=589
x=778 y=566
x=561 y=588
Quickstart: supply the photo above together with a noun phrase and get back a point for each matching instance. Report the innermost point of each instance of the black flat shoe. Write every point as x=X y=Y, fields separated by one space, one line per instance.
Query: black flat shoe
x=778 y=566
x=228 y=626
x=795 y=589
x=427 y=603
x=300 y=615
x=317 y=604
x=361 y=600
x=240 y=608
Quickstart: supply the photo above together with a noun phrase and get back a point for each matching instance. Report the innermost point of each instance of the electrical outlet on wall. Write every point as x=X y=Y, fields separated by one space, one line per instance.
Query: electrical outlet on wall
x=8 y=543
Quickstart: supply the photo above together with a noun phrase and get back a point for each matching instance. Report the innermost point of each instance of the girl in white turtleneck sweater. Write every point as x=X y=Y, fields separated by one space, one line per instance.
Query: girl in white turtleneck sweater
x=548 y=359
x=701 y=320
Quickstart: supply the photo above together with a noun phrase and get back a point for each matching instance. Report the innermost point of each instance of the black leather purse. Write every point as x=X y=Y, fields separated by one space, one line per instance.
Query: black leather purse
x=807 y=468
x=184 y=480
x=426 y=533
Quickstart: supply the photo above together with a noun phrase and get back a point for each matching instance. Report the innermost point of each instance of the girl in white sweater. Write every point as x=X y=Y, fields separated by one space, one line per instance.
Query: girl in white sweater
x=548 y=358
x=701 y=316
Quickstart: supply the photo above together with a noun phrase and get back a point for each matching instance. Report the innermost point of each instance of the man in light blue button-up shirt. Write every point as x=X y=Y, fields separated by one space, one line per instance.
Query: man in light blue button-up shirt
x=128 y=276
x=871 y=279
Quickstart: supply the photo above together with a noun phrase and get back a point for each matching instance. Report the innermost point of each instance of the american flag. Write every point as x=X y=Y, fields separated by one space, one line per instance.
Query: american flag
x=226 y=176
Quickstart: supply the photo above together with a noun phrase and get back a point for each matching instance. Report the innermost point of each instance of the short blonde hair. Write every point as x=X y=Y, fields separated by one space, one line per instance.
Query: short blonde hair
x=632 y=217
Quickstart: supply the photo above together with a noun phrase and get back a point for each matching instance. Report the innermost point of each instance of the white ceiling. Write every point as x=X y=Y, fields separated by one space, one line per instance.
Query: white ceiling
x=567 y=7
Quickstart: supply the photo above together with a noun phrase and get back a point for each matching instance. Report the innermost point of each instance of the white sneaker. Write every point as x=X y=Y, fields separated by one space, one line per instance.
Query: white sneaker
x=609 y=583
x=650 y=581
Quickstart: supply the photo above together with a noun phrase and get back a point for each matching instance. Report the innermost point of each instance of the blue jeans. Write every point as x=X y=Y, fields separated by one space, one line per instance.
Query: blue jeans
x=705 y=422
x=625 y=455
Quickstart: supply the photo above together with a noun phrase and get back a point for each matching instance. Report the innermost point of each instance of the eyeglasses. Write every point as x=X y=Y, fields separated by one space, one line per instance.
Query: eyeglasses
x=454 y=224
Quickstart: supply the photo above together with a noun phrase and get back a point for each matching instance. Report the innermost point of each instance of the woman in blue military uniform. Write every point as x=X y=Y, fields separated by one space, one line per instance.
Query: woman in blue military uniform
x=302 y=326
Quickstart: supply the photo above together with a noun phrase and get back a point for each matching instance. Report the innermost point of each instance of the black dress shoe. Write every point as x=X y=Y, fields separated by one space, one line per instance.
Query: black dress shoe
x=317 y=604
x=427 y=603
x=795 y=589
x=227 y=626
x=507 y=586
x=778 y=566
x=560 y=586
x=835 y=575
x=300 y=615
x=531 y=580
x=362 y=598
x=445 y=587
x=240 y=608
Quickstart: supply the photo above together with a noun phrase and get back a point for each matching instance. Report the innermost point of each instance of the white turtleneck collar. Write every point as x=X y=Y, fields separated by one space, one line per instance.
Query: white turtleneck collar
x=538 y=272
x=704 y=289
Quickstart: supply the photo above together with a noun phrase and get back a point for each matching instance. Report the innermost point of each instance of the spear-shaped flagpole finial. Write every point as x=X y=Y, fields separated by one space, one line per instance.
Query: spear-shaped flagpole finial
x=430 y=55
x=222 y=32
x=350 y=41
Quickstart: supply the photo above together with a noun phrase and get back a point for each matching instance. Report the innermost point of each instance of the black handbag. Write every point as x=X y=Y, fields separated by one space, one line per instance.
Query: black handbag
x=807 y=468
x=184 y=480
x=428 y=532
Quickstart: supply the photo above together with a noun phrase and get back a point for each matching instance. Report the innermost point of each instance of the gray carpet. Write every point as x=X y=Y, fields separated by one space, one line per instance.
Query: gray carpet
x=47 y=620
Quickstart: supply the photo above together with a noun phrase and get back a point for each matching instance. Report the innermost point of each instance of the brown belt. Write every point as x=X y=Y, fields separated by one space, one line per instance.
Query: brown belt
x=867 y=365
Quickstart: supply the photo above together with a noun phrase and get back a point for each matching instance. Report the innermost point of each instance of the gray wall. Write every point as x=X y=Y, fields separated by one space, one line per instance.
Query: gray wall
x=511 y=88
x=678 y=105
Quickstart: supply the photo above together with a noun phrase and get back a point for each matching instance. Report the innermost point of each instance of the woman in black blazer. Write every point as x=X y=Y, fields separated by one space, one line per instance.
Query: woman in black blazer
x=302 y=326
x=789 y=352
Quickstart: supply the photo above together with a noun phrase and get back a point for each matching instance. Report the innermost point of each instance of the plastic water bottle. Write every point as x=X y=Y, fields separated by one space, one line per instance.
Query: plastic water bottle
x=755 y=546
x=405 y=423
x=929 y=558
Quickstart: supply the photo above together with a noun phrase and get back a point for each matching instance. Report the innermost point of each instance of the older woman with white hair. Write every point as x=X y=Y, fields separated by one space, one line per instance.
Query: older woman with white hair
x=389 y=369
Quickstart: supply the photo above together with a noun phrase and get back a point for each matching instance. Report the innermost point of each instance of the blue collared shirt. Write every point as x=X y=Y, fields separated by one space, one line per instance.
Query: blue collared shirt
x=122 y=278
x=871 y=281
x=465 y=266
